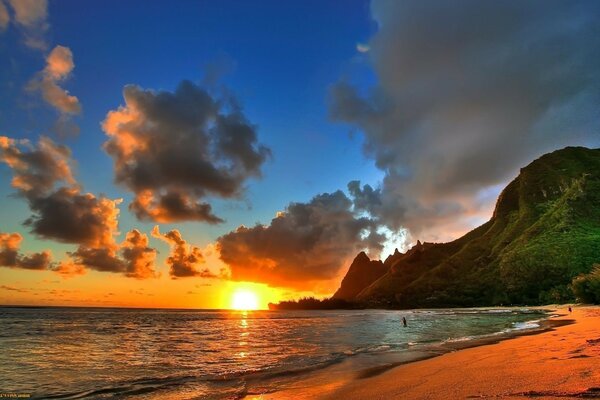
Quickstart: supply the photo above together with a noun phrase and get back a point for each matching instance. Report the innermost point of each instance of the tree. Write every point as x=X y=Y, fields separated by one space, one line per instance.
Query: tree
x=587 y=286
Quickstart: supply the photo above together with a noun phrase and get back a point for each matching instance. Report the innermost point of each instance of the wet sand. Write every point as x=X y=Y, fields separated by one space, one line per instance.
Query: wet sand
x=562 y=361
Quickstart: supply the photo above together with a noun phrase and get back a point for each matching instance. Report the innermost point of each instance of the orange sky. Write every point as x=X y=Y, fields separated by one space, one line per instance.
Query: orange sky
x=108 y=290
x=98 y=289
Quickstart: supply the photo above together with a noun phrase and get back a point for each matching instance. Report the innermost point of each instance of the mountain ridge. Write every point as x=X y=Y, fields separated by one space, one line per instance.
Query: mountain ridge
x=544 y=231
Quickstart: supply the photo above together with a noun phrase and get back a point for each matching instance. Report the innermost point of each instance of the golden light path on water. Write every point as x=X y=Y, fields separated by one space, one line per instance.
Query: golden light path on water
x=244 y=333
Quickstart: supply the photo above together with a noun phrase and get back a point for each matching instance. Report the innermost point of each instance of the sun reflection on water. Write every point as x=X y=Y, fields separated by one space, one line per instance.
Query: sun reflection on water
x=244 y=334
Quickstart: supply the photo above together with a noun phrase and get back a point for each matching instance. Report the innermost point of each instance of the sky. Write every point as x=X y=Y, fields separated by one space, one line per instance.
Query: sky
x=157 y=154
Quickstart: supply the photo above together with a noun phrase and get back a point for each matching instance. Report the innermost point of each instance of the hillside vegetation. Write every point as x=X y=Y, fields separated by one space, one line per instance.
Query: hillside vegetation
x=544 y=232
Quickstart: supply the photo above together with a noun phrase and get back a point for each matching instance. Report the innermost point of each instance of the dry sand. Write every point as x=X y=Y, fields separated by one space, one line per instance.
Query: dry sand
x=561 y=363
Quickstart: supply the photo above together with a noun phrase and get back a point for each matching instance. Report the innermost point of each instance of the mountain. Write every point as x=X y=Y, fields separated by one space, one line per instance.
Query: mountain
x=544 y=231
x=362 y=273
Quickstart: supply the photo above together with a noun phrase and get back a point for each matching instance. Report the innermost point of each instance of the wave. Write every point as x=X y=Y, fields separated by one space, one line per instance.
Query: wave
x=385 y=344
x=519 y=326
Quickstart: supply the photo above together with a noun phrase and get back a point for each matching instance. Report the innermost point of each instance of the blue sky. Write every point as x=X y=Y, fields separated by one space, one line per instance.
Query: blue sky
x=280 y=59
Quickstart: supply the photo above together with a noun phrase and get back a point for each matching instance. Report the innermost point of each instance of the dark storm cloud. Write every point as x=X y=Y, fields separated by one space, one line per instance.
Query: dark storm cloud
x=174 y=149
x=308 y=242
x=11 y=257
x=468 y=92
x=184 y=260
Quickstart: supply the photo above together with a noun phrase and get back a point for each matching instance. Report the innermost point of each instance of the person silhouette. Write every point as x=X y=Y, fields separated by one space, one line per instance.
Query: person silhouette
x=404 y=321
x=570 y=309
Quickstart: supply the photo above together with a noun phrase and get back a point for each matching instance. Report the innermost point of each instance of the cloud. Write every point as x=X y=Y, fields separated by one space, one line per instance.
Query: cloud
x=184 y=260
x=13 y=289
x=174 y=149
x=69 y=269
x=133 y=258
x=31 y=16
x=69 y=216
x=467 y=93
x=11 y=257
x=29 y=12
x=36 y=170
x=61 y=211
x=362 y=48
x=308 y=242
x=4 y=17
x=59 y=65
x=139 y=257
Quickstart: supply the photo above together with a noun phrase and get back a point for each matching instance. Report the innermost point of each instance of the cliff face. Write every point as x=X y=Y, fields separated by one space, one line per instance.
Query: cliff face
x=544 y=231
x=362 y=273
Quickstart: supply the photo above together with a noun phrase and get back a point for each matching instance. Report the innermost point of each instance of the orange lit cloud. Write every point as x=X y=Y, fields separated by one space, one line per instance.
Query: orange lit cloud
x=30 y=16
x=174 y=149
x=59 y=65
x=185 y=260
x=133 y=258
x=11 y=257
x=62 y=212
x=139 y=257
x=68 y=269
x=36 y=170
x=308 y=243
x=29 y=12
x=4 y=17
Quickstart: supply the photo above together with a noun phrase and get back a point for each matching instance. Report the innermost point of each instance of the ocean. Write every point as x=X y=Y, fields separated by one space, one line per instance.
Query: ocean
x=73 y=353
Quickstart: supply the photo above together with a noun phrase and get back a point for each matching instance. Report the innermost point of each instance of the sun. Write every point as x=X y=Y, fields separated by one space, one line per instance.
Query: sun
x=244 y=300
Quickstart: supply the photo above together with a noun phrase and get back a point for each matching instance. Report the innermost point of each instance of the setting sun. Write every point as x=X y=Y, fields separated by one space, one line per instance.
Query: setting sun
x=244 y=300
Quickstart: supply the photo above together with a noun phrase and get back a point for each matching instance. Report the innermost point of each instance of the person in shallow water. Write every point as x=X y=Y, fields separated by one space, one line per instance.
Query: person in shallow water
x=570 y=309
x=404 y=321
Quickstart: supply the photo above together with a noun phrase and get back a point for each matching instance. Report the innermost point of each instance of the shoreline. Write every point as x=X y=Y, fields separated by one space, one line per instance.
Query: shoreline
x=546 y=325
x=453 y=371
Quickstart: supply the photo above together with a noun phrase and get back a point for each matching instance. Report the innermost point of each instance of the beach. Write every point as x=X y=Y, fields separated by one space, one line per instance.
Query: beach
x=560 y=362
x=59 y=352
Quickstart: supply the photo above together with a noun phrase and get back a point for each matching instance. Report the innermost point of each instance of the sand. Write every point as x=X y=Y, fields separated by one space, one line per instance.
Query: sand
x=563 y=362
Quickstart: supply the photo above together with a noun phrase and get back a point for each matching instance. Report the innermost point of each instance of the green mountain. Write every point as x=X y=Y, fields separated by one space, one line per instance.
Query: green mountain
x=545 y=230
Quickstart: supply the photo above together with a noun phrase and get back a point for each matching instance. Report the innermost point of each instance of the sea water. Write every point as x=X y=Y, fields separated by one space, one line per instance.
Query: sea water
x=71 y=353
